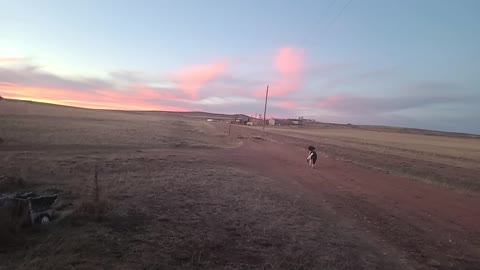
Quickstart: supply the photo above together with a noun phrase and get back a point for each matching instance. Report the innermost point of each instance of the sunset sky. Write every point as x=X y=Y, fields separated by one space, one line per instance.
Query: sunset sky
x=403 y=63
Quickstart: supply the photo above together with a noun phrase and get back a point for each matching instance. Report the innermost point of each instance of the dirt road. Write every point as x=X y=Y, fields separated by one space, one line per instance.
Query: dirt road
x=428 y=226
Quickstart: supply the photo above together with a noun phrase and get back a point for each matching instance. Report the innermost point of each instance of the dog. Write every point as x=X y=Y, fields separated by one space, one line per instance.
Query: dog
x=312 y=156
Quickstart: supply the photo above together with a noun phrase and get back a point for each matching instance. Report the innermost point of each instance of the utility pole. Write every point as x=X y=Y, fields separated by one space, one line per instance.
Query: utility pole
x=265 y=111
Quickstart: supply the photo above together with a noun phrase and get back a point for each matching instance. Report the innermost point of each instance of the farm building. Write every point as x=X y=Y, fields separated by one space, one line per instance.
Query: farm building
x=255 y=121
x=285 y=122
x=241 y=120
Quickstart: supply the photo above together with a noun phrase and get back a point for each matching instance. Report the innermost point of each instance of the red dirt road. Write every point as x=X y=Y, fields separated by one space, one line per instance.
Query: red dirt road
x=428 y=226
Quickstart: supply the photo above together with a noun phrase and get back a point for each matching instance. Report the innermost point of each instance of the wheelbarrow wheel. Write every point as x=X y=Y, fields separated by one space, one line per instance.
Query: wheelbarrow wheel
x=44 y=220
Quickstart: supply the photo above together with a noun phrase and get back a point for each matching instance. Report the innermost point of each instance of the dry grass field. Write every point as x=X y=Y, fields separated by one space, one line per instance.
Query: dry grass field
x=176 y=192
x=450 y=160
x=465 y=151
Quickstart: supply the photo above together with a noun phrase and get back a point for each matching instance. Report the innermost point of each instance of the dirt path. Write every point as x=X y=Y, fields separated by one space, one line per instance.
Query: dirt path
x=432 y=227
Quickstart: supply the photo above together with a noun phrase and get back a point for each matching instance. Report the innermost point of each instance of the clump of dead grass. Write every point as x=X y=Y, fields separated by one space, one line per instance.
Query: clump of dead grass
x=96 y=206
x=13 y=216
x=9 y=183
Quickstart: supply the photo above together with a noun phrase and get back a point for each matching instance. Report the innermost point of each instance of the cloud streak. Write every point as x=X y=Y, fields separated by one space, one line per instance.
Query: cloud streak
x=286 y=104
x=9 y=59
x=34 y=84
x=34 y=76
x=423 y=97
x=122 y=90
x=133 y=99
x=191 y=79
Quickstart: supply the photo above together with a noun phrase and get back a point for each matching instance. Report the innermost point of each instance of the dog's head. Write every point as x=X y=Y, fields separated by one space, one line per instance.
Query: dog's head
x=311 y=148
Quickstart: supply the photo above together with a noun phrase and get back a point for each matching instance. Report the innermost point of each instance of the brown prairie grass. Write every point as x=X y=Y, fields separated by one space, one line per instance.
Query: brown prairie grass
x=447 y=161
x=464 y=148
x=171 y=210
x=157 y=204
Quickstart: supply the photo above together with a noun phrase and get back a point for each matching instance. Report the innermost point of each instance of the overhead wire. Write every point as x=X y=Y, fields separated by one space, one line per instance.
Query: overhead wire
x=333 y=20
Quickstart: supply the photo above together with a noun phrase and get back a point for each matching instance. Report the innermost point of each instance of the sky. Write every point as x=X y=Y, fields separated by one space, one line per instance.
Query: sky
x=380 y=62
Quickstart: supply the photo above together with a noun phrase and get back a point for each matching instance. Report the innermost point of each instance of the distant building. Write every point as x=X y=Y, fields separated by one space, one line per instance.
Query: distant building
x=285 y=122
x=241 y=120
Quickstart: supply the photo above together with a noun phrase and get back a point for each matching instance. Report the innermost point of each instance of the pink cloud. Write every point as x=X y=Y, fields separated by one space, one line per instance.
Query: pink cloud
x=9 y=59
x=191 y=79
x=166 y=94
x=276 y=115
x=289 y=60
x=331 y=101
x=287 y=104
x=289 y=63
x=32 y=84
x=132 y=99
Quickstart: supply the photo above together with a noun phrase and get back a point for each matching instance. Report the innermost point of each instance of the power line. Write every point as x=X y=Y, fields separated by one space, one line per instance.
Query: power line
x=329 y=6
x=331 y=22
x=326 y=10
x=340 y=13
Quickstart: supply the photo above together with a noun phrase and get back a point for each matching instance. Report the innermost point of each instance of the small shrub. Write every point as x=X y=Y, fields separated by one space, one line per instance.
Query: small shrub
x=96 y=208
x=8 y=183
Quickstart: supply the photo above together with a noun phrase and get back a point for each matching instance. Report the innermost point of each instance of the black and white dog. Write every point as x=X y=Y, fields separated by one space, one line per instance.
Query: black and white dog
x=312 y=156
